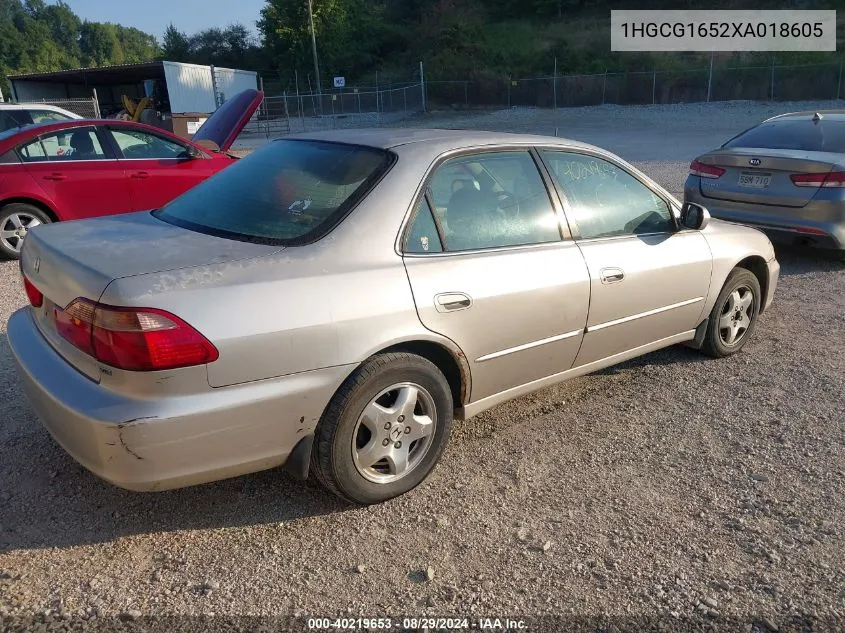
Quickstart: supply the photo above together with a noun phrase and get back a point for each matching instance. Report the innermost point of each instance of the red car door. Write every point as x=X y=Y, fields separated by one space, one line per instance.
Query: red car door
x=78 y=173
x=159 y=168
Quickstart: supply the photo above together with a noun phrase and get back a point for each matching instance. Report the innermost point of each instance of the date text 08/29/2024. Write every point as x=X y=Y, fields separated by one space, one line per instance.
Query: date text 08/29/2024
x=417 y=623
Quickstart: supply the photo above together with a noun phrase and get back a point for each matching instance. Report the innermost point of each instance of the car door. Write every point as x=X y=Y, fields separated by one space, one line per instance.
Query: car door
x=489 y=270
x=158 y=168
x=77 y=172
x=648 y=278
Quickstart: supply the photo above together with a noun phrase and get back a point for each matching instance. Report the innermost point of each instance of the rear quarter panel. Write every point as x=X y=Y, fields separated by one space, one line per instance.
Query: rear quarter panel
x=17 y=184
x=290 y=312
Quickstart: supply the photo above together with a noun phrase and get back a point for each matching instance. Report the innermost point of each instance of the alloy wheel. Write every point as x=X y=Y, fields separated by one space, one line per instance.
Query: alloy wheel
x=736 y=316
x=394 y=433
x=14 y=230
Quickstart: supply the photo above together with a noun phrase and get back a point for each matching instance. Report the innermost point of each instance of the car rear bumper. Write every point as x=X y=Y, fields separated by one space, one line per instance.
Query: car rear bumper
x=173 y=441
x=784 y=225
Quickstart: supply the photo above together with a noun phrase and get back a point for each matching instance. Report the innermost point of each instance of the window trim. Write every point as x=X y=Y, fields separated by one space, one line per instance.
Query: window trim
x=597 y=153
x=110 y=128
x=106 y=147
x=423 y=190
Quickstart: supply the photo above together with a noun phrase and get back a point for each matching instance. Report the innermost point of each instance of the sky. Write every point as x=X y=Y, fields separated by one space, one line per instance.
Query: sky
x=153 y=16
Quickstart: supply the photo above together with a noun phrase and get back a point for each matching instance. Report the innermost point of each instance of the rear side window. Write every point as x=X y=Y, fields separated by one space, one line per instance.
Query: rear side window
x=491 y=200
x=797 y=134
x=286 y=193
x=423 y=236
x=67 y=145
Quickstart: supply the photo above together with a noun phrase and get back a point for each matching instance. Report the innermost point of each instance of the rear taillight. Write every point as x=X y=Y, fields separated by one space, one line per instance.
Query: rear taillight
x=136 y=339
x=36 y=299
x=830 y=179
x=705 y=171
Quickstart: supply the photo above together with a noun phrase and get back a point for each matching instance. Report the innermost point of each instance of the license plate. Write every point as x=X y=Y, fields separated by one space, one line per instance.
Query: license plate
x=755 y=181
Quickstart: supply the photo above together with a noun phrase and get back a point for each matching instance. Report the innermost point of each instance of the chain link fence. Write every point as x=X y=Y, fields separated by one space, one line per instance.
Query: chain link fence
x=354 y=107
x=756 y=83
x=86 y=108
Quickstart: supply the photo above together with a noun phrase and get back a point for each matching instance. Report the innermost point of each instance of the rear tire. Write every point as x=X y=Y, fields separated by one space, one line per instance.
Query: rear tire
x=16 y=219
x=384 y=430
x=734 y=316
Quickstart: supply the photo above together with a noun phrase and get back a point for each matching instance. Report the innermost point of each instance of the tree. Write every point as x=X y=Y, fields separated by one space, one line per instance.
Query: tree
x=175 y=45
x=137 y=46
x=100 y=45
x=64 y=27
x=350 y=34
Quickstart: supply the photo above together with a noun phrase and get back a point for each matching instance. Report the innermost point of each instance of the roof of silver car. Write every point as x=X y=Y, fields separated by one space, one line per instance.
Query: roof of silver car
x=387 y=138
x=833 y=115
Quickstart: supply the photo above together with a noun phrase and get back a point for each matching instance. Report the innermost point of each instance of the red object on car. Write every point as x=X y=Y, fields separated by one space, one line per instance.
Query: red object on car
x=77 y=169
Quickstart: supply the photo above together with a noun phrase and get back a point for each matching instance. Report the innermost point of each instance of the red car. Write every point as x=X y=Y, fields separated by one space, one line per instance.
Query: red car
x=70 y=170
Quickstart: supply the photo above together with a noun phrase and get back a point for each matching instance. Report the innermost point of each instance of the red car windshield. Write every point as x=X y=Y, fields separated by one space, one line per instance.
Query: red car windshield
x=290 y=192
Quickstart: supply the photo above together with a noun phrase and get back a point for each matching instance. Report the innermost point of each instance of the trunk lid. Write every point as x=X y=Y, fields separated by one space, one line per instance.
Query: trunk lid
x=68 y=260
x=762 y=176
x=223 y=127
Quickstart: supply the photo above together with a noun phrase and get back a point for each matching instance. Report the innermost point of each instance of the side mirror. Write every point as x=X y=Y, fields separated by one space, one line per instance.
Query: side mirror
x=192 y=152
x=694 y=216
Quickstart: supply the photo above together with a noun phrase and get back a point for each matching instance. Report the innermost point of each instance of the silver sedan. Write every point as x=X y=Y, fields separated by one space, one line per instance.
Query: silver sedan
x=331 y=303
x=785 y=176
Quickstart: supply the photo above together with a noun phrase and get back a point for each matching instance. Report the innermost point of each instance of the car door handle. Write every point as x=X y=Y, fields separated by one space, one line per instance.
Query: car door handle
x=141 y=175
x=55 y=176
x=451 y=301
x=612 y=275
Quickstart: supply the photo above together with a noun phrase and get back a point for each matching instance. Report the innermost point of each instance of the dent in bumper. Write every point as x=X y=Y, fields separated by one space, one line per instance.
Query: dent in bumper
x=157 y=444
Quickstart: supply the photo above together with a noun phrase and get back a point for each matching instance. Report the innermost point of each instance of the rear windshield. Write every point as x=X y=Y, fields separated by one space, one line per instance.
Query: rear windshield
x=13 y=119
x=799 y=134
x=290 y=192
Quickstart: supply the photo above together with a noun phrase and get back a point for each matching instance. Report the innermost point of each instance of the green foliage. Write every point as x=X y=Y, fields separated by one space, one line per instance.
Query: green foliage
x=232 y=47
x=38 y=37
x=456 y=39
x=468 y=39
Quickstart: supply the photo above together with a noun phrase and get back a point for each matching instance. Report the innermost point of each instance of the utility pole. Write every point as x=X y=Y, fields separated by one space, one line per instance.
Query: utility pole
x=314 y=47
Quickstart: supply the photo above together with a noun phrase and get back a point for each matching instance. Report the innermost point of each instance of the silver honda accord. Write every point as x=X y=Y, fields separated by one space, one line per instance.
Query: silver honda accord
x=332 y=302
x=785 y=176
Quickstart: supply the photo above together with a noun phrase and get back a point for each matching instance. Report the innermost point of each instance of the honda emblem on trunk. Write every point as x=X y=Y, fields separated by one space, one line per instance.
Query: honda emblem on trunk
x=754 y=162
x=37 y=264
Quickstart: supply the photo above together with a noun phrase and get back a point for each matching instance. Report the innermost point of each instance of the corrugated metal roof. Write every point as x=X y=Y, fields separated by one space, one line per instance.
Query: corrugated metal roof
x=60 y=74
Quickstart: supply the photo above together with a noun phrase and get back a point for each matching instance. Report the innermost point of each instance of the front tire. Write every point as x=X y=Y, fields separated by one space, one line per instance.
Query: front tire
x=16 y=220
x=734 y=316
x=384 y=430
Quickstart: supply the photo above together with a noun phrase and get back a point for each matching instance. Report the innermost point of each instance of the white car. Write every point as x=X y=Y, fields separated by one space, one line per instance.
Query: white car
x=14 y=115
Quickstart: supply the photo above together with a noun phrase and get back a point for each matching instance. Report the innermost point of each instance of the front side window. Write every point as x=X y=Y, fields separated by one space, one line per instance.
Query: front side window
x=491 y=200
x=605 y=200
x=138 y=144
x=67 y=145
x=288 y=192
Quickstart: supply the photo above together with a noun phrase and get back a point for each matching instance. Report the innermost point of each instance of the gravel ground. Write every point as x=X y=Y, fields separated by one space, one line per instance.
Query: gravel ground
x=706 y=493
